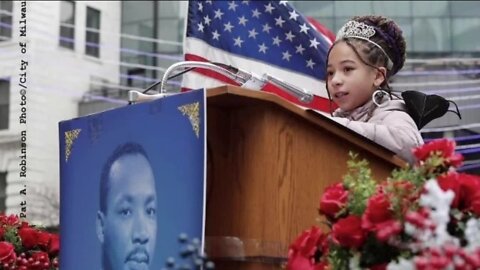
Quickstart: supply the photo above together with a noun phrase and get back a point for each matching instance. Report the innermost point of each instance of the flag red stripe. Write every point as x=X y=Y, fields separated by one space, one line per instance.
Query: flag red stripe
x=322 y=29
x=207 y=72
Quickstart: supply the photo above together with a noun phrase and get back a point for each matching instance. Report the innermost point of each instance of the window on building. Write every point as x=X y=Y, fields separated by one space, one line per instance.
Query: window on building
x=92 y=44
x=4 y=103
x=3 y=191
x=6 y=8
x=67 y=24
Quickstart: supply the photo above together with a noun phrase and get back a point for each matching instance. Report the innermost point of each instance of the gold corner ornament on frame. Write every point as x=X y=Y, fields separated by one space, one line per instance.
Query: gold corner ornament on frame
x=70 y=137
x=192 y=110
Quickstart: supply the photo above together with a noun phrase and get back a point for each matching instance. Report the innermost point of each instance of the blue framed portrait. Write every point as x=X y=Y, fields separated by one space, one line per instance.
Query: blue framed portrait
x=132 y=179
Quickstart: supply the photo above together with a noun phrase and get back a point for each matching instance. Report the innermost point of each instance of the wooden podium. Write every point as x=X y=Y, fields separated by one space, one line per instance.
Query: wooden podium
x=268 y=164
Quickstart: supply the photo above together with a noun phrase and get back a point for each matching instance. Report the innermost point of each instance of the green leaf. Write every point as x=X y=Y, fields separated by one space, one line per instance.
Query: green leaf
x=360 y=184
x=338 y=257
x=11 y=236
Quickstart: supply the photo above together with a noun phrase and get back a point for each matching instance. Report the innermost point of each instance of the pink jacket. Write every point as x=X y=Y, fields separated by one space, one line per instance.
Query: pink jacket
x=389 y=125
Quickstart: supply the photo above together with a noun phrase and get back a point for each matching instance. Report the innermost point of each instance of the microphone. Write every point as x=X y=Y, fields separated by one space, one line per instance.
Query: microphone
x=247 y=79
x=136 y=96
x=243 y=78
x=254 y=83
x=237 y=78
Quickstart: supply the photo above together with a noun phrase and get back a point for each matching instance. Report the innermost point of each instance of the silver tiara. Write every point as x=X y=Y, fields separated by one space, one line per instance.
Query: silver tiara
x=354 y=29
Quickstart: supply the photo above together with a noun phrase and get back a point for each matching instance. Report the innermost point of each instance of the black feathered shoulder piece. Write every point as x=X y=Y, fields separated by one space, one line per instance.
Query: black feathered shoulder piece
x=424 y=108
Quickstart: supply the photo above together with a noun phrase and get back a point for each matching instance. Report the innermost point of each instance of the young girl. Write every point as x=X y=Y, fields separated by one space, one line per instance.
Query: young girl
x=367 y=52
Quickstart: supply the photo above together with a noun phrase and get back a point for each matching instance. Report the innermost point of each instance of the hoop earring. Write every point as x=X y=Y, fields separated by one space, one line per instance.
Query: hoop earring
x=378 y=97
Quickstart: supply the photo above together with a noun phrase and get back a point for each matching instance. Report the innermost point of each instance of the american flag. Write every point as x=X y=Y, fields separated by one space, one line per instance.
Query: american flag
x=260 y=37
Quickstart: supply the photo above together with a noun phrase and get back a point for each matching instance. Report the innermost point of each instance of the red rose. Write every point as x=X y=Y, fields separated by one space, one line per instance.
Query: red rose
x=43 y=239
x=382 y=266
x=2 y=232
x=451 y=182
x=333 y=200
x=474 y=206
x=40 y=261
x=308 y=241
x=378 y=210
x=466 y=188
x=29 y=237
x=348 y=232
x=54 y=246
x=11 y=220
x=419 y=219
x=387 y=229
x=469 y=187
x=302 y=263
x=7 y=253
x=445 y=147
x=456 y=160
x=301 y=252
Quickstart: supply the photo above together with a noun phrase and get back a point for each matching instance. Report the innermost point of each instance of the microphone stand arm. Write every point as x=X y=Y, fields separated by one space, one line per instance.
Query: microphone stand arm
x=244 y=78
x=187 y=64
x=303 y=95
x=136 y=96
x=256 y=82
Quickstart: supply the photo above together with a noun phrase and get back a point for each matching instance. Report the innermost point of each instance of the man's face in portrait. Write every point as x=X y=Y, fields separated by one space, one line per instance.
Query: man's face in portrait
x=128 y=226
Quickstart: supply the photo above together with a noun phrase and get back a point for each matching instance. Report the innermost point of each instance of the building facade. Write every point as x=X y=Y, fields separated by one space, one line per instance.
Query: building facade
x=64 y=58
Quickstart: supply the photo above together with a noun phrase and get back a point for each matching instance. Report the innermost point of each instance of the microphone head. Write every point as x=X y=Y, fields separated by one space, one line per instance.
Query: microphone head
x=135 y=96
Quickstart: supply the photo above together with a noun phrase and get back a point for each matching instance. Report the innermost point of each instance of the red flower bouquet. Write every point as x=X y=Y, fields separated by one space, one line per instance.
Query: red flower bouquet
x=424 y=216
x=25 y=247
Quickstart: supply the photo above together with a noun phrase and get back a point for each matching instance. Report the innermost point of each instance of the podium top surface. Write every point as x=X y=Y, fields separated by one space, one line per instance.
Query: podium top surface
x=234 y=96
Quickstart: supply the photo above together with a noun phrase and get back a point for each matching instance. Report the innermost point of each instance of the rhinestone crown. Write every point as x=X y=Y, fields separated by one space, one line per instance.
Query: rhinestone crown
x=354 y=29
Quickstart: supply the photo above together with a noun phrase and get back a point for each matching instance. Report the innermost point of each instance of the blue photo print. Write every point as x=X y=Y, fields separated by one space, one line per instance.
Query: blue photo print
x=132 y=179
